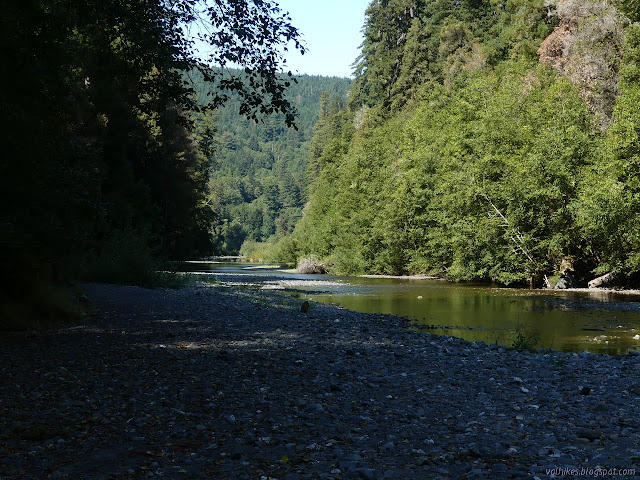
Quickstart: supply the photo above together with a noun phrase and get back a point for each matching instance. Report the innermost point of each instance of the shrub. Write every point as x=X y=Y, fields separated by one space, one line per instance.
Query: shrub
x=127 y=259
x=276 y=249
x=348 y=261
x=525 y=341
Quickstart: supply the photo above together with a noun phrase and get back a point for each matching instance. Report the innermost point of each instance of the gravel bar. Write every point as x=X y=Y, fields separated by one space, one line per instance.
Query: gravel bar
x=211 y=382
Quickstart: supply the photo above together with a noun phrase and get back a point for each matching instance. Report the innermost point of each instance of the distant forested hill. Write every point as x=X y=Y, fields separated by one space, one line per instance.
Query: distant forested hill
x=259 y=177
x=483 y=140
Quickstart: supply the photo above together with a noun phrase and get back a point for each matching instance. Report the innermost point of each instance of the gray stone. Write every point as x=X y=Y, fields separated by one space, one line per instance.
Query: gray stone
x=366 y=473
x=347 y=466
x=590 y=435
x=475 y=474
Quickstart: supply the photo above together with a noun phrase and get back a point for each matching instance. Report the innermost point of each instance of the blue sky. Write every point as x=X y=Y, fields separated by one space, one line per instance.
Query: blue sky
x=332 y=30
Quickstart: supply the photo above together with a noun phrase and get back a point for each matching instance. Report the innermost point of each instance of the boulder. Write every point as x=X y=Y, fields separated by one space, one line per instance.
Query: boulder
x=567 y=280
x=567 y=274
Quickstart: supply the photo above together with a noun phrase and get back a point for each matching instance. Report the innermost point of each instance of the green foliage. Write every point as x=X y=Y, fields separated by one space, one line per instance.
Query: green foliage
x=476 y=162
x=558 y=360
x=29 y=274
x=386 y=24
x=478 y=186
x=631 y=8
x=283 y=249
x=520 y=28
x=347 y=261
x=414 y=69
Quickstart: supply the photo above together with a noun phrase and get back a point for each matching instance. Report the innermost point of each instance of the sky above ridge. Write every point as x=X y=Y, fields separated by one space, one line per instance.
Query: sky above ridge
x=332 y=30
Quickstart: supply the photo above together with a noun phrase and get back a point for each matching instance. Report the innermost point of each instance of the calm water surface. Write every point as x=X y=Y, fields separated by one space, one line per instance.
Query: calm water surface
x=599 y=322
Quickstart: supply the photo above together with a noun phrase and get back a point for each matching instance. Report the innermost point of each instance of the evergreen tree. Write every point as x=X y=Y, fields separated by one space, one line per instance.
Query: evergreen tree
x=385 y=32
x=414 y=67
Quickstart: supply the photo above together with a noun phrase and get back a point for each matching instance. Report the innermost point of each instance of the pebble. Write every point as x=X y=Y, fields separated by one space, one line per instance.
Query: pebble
x=589 y=434
x=241 y=390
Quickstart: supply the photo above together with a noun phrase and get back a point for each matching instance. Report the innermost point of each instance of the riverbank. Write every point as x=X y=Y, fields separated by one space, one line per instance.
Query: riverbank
x=210 y=382
x=596 y=290
x=600 y=291
x=405 y=277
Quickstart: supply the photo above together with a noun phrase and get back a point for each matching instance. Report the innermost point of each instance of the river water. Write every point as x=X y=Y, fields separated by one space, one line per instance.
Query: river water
x=571 y=321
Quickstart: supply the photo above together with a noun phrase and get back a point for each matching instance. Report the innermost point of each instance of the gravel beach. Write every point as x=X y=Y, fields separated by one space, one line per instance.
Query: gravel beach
x=209 y=382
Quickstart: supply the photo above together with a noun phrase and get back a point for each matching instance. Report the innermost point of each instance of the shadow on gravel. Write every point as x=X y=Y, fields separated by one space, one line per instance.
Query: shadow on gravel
x=205 y=383
x=196 y=383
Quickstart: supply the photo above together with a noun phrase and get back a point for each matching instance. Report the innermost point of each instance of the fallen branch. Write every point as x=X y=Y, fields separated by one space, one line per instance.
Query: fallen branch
x=519 y=238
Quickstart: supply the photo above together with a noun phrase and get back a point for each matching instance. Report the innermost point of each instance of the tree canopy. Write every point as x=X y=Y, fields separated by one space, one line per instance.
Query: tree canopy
x=98 y=122
x=483 y=140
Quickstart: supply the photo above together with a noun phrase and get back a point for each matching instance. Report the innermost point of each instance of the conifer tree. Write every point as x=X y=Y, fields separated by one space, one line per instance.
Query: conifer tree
x=414 y=68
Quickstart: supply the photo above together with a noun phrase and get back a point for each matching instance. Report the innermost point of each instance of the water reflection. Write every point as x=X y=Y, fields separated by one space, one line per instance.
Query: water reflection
x=600 y=322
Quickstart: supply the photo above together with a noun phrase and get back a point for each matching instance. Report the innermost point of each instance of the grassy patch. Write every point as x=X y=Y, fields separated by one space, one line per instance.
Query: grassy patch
x=125 y=259
x=558 y=361
x=525 y=340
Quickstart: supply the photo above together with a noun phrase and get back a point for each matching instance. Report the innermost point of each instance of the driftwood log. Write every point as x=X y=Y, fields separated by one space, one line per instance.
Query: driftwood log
x=603 y=281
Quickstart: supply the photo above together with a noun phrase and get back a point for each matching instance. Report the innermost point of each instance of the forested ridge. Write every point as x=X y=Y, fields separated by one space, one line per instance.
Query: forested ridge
x=258 y=178
x=483 y=140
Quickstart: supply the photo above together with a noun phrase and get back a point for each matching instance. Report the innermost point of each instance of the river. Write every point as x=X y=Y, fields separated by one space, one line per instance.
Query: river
x=570 y=321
